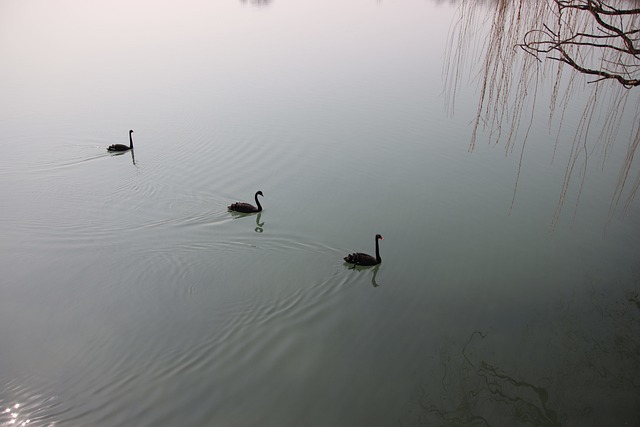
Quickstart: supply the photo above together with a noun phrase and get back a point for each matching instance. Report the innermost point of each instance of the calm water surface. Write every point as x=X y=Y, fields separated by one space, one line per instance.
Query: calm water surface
x=130 y=296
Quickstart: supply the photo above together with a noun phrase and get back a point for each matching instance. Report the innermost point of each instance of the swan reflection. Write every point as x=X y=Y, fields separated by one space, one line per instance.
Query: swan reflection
x=373 y=269
x=121 y=153
x=259 y=225
x=373 y=276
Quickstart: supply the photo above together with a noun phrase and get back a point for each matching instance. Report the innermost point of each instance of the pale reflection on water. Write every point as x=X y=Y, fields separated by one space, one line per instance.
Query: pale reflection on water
x=568 y=361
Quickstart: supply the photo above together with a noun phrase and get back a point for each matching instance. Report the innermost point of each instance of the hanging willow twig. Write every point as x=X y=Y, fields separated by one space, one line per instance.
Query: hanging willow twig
x=596 y=39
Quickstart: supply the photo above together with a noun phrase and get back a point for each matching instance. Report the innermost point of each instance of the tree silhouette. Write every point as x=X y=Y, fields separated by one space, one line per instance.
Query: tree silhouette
x=596 y=39
x=593 y=37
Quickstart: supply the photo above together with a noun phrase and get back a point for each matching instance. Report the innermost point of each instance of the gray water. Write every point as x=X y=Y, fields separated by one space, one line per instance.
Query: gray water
x=131 y=296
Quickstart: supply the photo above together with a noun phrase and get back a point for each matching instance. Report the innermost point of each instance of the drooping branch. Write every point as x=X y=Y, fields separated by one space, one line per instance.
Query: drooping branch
x=607 y=47
x=599 y=39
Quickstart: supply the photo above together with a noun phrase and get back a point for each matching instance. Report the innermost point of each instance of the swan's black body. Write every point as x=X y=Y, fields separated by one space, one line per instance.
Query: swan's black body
x=247 y=207
x=122 y=147
x=359 y=258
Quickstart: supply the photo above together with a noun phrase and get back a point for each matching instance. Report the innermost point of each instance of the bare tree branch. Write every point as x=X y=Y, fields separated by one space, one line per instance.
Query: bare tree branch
x=599 y=39
x=612 y=40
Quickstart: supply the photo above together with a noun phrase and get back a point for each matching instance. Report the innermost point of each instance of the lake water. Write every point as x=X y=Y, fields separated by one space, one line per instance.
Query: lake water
x=131 y=296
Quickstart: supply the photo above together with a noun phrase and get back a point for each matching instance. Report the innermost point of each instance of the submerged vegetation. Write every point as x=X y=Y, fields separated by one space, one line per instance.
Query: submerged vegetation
x=580 y=46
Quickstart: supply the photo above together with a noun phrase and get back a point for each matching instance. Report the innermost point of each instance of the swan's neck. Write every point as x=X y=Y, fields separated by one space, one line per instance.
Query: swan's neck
x=258 y=203
x=130 y=140
x=378 y=251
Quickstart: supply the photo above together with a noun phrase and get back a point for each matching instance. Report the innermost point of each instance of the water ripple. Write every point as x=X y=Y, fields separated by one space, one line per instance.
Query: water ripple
x=23 y=403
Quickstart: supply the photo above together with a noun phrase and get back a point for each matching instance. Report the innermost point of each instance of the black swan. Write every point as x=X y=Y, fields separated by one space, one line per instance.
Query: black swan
x=359 y=258
x=247 y=207
x=122 y=147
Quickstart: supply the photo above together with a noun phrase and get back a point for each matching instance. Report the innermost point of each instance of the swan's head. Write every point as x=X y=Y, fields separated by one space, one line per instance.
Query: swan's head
x=378 y=236
x=259 y=193
x=130 y=132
